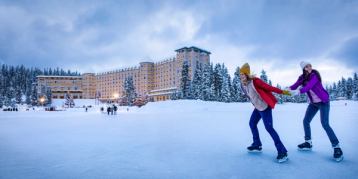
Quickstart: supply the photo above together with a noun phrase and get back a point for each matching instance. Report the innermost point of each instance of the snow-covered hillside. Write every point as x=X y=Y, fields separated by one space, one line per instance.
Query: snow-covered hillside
x=171 y=139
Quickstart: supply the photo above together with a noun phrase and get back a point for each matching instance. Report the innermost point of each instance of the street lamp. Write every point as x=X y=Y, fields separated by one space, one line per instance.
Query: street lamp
x=115 y=96
x=42 y=100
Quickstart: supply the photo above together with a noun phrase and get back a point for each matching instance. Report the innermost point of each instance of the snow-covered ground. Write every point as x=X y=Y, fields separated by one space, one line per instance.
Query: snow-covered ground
x=171 y=139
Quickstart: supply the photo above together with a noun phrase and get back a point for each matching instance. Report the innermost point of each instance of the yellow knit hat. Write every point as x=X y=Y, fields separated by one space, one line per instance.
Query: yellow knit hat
x=245 y=69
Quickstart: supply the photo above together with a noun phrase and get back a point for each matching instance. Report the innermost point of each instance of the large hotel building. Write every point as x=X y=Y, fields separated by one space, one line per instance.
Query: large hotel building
x=153 y=80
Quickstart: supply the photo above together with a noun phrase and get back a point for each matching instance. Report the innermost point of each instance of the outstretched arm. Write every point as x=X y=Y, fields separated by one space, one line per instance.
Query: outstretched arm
x=261 y=84
x=297 y=84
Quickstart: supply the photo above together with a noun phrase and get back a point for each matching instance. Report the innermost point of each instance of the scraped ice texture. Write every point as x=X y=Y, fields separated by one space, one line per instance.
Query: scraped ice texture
x=171 y=139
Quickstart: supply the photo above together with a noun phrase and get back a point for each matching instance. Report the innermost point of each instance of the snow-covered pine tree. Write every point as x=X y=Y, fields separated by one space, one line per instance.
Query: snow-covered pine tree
x=18 y=94
x=235 y=86
x=263 y=76
x=34 y=95
x=334 y=92
x=225 y=87
x=355 y=86
x=129 y=90
x=197 y=84
x=2 y=88
x=207 y=82
x=349 y=88
x=28 y=96
x=48 y=96
x=174 y=95
x=185 y=81
x=217 y=82
x=69 y=102
x=342 y=88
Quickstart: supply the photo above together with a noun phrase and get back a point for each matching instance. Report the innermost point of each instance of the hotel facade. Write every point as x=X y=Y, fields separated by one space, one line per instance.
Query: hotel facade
x=155 y=81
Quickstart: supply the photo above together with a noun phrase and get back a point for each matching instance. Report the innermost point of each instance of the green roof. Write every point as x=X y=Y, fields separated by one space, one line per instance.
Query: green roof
x=195 y=48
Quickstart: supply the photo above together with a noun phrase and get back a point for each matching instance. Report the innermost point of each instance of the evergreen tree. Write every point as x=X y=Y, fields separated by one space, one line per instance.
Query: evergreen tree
x=334 y=92
x=175 y=95
x=355 y=86
x=34 y=95
x=225 y=87
x=349 y=88
x=217 y=83
x=2 y=86
x=69 y=102
x=48 y=96
x=18 y=95
x=238 y=94
x=342 y=88
x=185 y=81
x=197 y=84
x=129 y=90
x=207 y=92
x=264 y=77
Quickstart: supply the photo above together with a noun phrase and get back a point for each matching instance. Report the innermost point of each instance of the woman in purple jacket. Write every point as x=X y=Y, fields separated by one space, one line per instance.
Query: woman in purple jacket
x=311 y=84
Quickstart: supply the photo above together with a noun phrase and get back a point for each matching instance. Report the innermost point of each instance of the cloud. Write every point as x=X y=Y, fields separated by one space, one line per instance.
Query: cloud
x=348 y=52
x=96 y=36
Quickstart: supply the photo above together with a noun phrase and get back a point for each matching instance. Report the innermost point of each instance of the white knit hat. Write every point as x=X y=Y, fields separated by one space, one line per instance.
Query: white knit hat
x=304 y=64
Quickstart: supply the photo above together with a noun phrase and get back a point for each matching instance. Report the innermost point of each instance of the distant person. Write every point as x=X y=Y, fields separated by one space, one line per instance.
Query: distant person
x=102 y=109
x=115 y=109
x=108 y=110
x=86 y=108
x=260 y=95
x=311 y=84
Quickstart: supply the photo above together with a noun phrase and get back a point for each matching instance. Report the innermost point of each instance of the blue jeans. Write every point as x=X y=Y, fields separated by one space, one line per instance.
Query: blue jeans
x=324 y=111
x=266 y=116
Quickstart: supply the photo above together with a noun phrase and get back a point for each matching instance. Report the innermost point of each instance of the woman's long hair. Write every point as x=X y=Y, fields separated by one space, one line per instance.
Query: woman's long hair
x=307 y=76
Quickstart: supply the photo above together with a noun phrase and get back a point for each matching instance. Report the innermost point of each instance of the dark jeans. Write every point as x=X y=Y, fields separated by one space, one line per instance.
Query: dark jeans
x=324 y=111
x=266 y=116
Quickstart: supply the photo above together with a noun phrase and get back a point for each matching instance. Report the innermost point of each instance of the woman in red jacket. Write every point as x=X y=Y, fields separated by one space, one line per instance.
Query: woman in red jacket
x=261 y=97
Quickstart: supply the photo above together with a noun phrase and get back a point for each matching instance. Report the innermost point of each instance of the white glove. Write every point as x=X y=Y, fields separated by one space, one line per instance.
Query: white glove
x=293 y=92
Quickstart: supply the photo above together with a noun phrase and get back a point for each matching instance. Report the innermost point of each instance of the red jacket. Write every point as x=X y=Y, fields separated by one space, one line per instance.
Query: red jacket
x=264 y=90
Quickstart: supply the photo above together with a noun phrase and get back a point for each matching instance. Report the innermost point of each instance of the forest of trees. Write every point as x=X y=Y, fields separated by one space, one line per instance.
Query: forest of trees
x=210 y=83
x=213 y=83
x=17 y=84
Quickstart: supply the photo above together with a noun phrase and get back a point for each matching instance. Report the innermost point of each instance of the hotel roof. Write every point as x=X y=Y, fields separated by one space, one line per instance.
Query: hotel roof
x=195 y=48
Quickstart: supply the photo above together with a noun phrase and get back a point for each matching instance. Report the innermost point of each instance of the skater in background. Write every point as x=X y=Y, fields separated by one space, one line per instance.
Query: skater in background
x=115 y=109
x=310 y=82
x=261 y=97
x=108 y=110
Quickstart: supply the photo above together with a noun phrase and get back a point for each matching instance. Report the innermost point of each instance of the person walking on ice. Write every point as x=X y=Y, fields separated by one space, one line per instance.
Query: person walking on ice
x=259 y=93
x=311 y=84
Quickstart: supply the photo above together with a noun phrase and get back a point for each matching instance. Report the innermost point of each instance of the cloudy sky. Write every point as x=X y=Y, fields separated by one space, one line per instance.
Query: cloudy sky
x=96 y=36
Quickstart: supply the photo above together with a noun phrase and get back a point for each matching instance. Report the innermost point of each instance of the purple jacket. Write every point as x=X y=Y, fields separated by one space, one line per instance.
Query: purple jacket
x=313 y=84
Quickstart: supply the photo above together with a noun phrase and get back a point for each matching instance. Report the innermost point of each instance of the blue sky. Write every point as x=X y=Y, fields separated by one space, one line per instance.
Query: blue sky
x=96 y=36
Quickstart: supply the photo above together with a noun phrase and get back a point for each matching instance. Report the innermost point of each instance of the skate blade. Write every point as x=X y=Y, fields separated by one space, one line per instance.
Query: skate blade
x=254 y=151
x=282 y=160
x=339 y=159
x=304 y=149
